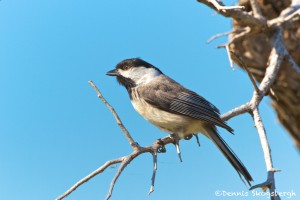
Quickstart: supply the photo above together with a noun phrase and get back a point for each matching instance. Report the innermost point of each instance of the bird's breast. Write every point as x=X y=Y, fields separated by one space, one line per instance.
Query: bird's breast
x=166 y=121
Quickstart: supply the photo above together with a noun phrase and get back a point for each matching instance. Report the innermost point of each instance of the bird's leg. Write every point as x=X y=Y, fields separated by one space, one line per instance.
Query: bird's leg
x=162 y=148
x=197 y=139
x=176 y=143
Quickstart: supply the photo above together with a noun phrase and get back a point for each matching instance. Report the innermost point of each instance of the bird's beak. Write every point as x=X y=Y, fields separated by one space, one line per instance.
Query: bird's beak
x=113 y=72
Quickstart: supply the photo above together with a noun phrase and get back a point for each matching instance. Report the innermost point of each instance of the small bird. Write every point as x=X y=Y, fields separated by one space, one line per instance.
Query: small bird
x=173 y=108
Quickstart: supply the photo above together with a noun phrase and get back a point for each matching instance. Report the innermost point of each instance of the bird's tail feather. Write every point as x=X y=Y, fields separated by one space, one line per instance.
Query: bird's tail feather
x=212 y=133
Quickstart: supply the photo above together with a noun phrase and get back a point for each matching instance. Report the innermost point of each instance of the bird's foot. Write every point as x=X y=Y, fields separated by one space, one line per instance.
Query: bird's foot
x=162 y=148
x=176 y=139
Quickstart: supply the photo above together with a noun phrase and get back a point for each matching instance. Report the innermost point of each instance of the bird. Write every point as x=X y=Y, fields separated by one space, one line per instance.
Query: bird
x=173 y=108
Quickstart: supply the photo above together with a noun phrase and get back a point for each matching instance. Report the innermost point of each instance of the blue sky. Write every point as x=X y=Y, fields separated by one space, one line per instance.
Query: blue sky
x=54 y=130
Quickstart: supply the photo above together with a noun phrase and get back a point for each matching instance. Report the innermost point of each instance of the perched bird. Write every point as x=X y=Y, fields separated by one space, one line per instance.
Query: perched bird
x=173 y=108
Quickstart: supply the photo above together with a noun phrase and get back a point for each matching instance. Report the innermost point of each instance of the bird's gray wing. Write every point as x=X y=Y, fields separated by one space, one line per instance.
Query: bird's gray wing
x=193 y=105
x=168 y=95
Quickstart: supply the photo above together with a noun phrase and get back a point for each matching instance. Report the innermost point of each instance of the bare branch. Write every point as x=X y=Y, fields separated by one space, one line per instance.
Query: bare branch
x=256 y=10
x=286 y=16
x=125 y=131
x=275 y=60
x=273 y=94
x=226 y=46
x=289 y=17
x=263 y=138
x=235 y=13
x=244 y=65
x=270 y=182
x=292 y=62
x=125 y=162
x=154 y=172
x=236 y=111
x=90 y=176
x=220 y=7
x=229 y=56
x=240 y=35
x=220 y=35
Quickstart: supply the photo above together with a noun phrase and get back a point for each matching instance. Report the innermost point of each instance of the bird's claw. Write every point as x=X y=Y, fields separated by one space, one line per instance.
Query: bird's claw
x=176 y=143
x=197 y=139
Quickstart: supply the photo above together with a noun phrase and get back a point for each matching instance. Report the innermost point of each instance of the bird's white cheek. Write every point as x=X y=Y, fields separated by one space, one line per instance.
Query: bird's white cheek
x=140 y=75
x=124 y=73
x=131 y=74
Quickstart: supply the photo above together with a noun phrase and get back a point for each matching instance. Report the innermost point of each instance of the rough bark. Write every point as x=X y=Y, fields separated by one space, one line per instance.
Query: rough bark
x=255 y=49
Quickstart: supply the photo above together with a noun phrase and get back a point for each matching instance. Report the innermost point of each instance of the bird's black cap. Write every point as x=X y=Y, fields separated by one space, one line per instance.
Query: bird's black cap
x=134 y=62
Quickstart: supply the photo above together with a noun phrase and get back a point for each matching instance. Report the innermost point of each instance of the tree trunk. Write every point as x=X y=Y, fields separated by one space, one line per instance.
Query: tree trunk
x=255 y=50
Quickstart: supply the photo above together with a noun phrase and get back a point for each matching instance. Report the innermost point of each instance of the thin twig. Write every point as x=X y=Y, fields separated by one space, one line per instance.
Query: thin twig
x=222 y=8
x=286 y=16
x=273 y=94
x=244 y=65
x=256 y=10
x=239 y=36
x=90 y=176
x=235 y=12
x=125 y=162
x=236 y=111
x=119 y=122
x=220 y=35
x=292 y=62
x=263 y=138
x=229 y=57
x=268 y=182
x=292 y=15
x=154 y=172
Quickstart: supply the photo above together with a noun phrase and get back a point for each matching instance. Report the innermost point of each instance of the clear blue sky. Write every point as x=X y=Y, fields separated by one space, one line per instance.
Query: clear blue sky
x=54 y=130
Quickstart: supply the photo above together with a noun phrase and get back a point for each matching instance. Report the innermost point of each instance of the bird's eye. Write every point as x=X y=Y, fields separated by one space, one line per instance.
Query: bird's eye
x=126 y=67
